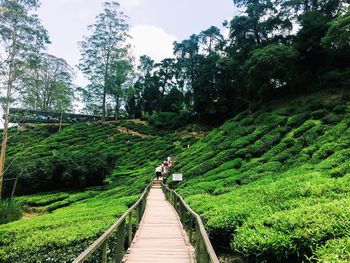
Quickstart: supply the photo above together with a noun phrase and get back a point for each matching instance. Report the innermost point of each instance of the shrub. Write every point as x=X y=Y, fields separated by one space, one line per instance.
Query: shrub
x=57 y=205
x=303 y=128
x=340 y=109
x=335 y=251
x=292 y=233
x=10 y=211
x=340 y=171
x=314 y=103
x=287 y=195
x=324 y=152
x=297 y=120
x=319 y=114
x=169 y=120
x=331 y=119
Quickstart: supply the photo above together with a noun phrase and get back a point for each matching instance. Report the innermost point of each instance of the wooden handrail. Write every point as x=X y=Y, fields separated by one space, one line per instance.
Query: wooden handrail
x=101 y=242
x=179 y=204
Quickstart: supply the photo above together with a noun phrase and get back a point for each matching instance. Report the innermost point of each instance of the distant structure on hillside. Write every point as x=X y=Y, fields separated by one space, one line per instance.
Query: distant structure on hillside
x=20 y=116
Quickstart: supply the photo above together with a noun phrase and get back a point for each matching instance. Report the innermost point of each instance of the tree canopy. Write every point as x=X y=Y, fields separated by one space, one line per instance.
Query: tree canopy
x=103 y=54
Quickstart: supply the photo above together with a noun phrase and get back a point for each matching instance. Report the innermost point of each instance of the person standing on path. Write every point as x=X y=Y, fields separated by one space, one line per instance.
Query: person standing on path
x=159 y=170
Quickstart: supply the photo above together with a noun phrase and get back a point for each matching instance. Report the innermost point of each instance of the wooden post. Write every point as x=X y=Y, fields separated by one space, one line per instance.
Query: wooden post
x=119 y=249
x=130 y=229
x=190 y=229
x=104 y=251
x=182 y=213
x=197 y=237
x=202 y=252
x=177 y=203
x=143 y=205
x=173 y=199
x=138 y=215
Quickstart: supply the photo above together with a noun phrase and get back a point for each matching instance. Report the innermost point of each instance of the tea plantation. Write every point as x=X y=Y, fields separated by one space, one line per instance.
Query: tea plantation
x=274 y=185
x=65 y=222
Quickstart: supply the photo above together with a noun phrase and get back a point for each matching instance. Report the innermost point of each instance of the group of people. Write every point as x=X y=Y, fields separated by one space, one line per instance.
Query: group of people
x=163 y=169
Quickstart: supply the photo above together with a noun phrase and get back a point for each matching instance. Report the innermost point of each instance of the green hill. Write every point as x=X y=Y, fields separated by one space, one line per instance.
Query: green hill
x=58 y=226
x=274 y=185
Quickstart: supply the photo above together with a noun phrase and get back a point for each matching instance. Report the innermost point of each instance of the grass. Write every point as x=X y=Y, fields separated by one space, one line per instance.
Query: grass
x=274 y=185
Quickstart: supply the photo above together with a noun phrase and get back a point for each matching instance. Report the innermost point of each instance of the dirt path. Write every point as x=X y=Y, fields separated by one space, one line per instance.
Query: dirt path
x=128 y=131
x=26 y=215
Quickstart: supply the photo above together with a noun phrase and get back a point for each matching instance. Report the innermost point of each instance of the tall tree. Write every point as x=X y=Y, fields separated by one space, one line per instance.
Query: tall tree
x=187 y=61
x=21 y=38
x=174 y=101
x=329 y=8
x=211 y=39
x=186 y=52
x=261 y=23
x=120 y=74
x=145 y=67
x=337 y=38
x=49 y=85
x=133 y=103
x=165 y=72
x=269 y=69
x=102 y=49
x=151 y=95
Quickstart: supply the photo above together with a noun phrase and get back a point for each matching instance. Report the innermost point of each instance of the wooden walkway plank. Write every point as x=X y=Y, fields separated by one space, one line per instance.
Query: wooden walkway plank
x=160 y=238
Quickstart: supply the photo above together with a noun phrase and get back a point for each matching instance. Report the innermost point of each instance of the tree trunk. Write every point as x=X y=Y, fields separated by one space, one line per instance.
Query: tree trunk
x=256 y=34
x=104 y=101
x=4 y=135
x=116 y=108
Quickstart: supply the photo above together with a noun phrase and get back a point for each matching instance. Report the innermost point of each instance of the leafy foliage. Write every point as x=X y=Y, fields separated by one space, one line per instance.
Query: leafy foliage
x=169 y=120
x=105 y=59
x=80 y=156
x=273 y=185
x=65 y=223
x=49 y=85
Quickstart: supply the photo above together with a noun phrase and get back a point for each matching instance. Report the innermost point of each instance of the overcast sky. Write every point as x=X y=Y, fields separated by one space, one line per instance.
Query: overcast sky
x=156 y=24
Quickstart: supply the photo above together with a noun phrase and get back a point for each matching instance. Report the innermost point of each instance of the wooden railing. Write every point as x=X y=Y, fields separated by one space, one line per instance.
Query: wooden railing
x=112 y=245
x=193 y=225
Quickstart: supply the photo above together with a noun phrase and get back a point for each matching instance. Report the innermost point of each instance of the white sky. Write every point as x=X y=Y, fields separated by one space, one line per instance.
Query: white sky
x=156 y=24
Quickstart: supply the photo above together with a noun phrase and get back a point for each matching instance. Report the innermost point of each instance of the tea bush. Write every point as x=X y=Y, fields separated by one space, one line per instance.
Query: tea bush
x=62 y=224
x=280 y=191
x=335 y=250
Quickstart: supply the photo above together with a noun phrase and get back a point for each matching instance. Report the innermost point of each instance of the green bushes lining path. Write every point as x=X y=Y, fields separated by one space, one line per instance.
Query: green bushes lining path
x=271 y=185
x=60 y=236
x=274 y=185
x=81 y=155
x=72 y=220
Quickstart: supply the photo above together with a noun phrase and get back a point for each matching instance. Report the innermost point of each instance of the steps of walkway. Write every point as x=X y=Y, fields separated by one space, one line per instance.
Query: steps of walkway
x=161 y=237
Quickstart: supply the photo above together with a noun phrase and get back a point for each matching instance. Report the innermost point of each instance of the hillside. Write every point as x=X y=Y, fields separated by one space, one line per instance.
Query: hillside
x=58 y=226
x=273 y=185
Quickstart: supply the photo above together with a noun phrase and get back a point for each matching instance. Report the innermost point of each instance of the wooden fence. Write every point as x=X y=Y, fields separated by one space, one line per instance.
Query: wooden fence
x=111 y=246
x=193 y=225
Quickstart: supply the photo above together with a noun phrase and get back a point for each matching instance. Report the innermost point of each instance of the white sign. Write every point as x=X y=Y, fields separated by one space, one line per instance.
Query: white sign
x=177 y=177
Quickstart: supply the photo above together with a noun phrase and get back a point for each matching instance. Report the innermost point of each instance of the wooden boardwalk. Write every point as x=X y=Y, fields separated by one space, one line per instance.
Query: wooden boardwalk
x=160 y=237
